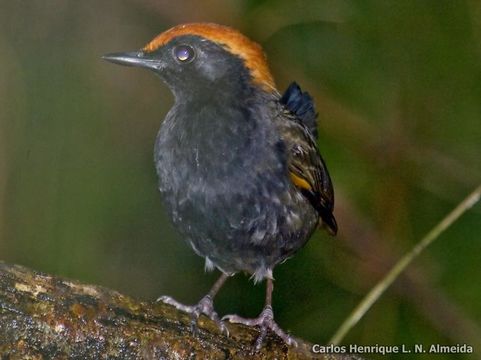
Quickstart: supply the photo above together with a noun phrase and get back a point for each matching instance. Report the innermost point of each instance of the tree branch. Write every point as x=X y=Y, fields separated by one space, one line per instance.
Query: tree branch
x=43 y=316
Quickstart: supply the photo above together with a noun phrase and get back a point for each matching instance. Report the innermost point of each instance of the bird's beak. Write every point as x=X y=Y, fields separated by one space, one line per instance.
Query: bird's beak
x=134 y=58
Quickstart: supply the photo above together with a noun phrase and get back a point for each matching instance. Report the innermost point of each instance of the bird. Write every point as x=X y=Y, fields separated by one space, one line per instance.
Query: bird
x=238 y=164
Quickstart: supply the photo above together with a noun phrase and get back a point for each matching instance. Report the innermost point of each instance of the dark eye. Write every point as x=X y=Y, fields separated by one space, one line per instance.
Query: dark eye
x=184 y=53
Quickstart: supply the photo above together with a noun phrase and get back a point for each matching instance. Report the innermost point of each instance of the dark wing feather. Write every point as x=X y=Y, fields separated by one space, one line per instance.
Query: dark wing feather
x=307 y=169
x=301 y=104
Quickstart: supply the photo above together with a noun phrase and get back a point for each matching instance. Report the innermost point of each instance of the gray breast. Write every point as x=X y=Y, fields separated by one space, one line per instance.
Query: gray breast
x=227 y=190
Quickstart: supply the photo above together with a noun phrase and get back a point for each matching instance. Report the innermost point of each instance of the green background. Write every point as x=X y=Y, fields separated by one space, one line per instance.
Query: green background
x=398 y=89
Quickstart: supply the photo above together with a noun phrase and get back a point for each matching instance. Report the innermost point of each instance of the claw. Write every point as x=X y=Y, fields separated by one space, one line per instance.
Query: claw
x=204 y=306
x=265 y=321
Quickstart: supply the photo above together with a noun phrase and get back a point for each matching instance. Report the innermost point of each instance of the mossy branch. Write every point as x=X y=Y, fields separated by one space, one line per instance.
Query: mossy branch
x=46 y=317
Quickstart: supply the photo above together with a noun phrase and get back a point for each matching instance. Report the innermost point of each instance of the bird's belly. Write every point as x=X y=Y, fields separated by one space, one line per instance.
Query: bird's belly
x=239 y=223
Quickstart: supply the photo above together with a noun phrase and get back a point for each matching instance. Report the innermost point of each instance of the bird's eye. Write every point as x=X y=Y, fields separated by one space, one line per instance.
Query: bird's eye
x=184 y=53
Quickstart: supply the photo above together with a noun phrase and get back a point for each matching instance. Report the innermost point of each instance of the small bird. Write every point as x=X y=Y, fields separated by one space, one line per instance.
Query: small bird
x=238 y=164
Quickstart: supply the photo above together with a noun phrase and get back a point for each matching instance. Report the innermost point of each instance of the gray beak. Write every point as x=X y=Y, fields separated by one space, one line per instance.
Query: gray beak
x=134 y=58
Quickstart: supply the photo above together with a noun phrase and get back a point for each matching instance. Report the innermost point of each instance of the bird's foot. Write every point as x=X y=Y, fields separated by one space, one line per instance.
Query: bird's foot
x=265 y=321
x=204 y=306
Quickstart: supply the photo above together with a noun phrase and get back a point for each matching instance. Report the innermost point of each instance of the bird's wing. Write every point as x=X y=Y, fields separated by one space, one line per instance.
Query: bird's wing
x=307 y=169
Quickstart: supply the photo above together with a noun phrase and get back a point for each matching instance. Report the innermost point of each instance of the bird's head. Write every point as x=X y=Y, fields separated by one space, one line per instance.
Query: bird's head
x=202 y=57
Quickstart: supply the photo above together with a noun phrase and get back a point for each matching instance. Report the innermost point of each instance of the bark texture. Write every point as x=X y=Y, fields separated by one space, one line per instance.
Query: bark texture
x=46 y=317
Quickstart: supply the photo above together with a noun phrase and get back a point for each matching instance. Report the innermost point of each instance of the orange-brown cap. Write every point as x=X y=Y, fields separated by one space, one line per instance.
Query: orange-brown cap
x=236 y=43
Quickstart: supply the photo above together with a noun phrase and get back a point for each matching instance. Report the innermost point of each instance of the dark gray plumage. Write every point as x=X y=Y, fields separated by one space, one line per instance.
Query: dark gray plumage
x=224 y=176
x=238 y=165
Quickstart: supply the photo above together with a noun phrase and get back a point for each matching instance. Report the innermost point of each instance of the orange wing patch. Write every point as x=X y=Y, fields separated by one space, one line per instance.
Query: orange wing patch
x=238 y=44
x=300 y=182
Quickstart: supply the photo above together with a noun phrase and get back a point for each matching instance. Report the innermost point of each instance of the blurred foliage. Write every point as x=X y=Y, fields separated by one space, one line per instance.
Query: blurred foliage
x=398 y=90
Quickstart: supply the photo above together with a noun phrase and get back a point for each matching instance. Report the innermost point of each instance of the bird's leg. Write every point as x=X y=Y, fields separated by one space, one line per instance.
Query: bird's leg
x=204 y=306
x=265 y=320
